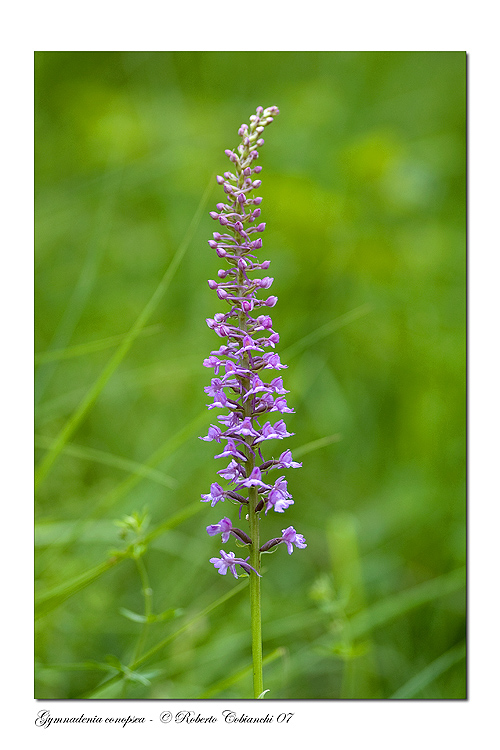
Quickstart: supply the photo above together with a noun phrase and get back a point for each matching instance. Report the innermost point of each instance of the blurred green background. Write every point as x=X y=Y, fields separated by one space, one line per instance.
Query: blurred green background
x=364 y=200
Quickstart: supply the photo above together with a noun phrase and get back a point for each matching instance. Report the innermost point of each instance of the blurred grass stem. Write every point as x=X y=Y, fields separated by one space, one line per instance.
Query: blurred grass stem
x=88 y=401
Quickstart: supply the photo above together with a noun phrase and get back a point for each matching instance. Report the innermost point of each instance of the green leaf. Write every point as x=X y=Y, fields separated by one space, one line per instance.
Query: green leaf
x=430 y=673
x=168 y=614
x=53 y=598
x=134 y=616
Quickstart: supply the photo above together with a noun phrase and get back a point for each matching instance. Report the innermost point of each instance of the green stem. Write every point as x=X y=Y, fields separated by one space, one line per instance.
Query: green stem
x=255 y=609
x=253 y=499
x=148 y=606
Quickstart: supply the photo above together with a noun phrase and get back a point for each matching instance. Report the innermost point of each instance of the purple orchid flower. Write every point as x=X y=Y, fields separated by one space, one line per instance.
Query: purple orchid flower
x=290 y=538
x=228 y=561
x=215 y=495
x=223 y=527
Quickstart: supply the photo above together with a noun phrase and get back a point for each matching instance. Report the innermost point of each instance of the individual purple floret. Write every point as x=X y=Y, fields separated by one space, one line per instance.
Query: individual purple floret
x=228 y=561
x=225 y=527
x=243 y=386
x=290 y=537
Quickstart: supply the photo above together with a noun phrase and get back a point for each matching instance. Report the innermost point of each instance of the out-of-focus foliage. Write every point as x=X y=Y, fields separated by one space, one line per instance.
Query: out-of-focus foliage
x=364 y=200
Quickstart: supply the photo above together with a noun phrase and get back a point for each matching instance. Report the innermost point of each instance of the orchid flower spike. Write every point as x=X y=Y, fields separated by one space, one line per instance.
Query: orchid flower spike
x=248 y=397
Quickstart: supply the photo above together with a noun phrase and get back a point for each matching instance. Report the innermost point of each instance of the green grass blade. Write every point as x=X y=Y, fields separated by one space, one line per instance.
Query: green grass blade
x=165 y=641
x=56 y=596
x=122 y=489
x=218 y=687
x=404 y=601
x=79 y=350
x=85 y=283
x=315 y=445
x=324 y=331
x=92 y=395
x=430 y=673
x=108 y=459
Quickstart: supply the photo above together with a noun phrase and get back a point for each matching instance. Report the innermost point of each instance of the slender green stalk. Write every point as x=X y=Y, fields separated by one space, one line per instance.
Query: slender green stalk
x=148 y=605
x=255 y=609
x=253 y=520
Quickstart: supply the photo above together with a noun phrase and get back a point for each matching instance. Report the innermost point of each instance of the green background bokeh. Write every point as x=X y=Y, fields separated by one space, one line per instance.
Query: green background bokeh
x=364 y=200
